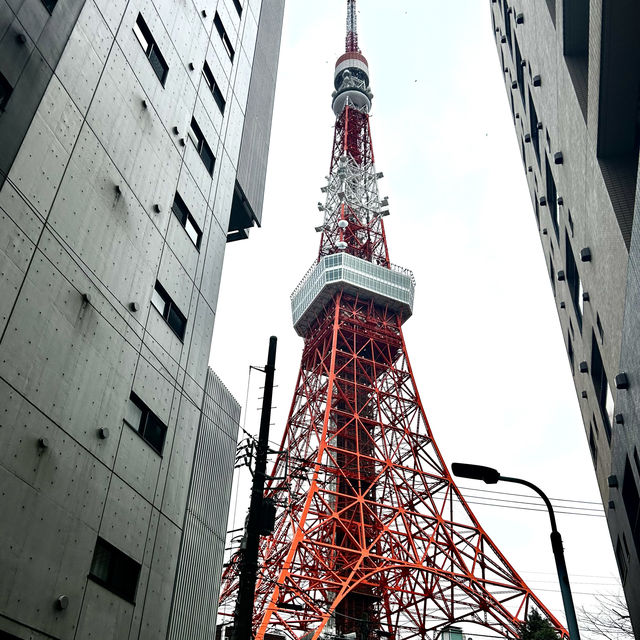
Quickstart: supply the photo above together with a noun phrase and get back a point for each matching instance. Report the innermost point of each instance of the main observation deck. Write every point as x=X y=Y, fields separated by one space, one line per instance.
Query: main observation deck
x=393 y=287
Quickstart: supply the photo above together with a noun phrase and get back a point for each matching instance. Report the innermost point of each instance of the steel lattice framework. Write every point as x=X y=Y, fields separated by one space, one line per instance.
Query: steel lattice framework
x=373 y=536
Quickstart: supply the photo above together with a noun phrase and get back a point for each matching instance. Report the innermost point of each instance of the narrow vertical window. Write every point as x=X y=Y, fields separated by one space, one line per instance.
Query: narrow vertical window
x=168 y=309
x=552 y=196
x=203 y=148
x=570 y=353
x=5 y=92
x=631 y=501
x=185 y=218
x=222 y=32
x=601 y=384
x=573 y=281
x=213 y=87
x=238 y=5
x=593 y=446
x=534 y=124
x=151 y=50
x=150 y=428
x=520 y=73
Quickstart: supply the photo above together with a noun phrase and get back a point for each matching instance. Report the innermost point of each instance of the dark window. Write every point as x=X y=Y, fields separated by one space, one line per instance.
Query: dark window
x=146 y=423
x=621 y=561
x=601 y=384
x=570 y=221
x=552 y=196
x=223 y=36
x=204 y=150
x=600 y=329
x=168 y=310
x=552 y=275
x=573 y=281
x=570 y=352
x=636 y=459
x=237 y=4
x=631 y=503
x=535 y=131
x=520 y=72
x=551 y=5
x=507 y=25
x=5 y=92
x=183 y=214
x=593 y=446
x=50 y=5
x=115 y=570
x=213 y=87
x=149 y=46
x=536 y=209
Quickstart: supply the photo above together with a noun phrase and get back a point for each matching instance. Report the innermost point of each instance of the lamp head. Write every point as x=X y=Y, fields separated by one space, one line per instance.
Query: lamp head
x=475 y=472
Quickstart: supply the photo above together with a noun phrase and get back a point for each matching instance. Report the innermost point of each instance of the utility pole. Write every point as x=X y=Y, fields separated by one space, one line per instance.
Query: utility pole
x=243 y=614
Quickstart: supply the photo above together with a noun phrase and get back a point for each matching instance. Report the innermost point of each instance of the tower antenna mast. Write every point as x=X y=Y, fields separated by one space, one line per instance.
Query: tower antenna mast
x=352 y=28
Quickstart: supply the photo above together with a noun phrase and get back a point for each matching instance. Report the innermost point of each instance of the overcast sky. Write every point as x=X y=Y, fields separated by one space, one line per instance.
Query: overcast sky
x=484 y=341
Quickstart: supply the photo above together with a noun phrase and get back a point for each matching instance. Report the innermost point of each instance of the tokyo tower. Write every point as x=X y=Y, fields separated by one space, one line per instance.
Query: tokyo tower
x=373 y=539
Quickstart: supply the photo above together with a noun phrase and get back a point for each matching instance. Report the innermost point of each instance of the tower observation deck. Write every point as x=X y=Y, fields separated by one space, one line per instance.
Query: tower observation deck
x=373 y=539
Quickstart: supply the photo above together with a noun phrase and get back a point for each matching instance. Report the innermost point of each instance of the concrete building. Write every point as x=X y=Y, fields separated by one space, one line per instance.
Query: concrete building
x=133 y=145
x=572 y=73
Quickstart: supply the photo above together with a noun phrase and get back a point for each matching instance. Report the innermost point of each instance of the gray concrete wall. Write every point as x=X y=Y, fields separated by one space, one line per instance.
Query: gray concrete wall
x=86 y=229
x=588 y=212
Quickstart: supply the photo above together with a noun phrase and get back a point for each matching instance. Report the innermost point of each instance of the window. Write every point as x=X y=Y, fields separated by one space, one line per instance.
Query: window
x=507 y=25
x=570 y=221
x=621 y=561
x=631 y=503
x=238 y=6
x=636 y=459
x=573 y=282
x=50 y=5
x=536 y=209
x=213 y=87
x=552 y=196
x=139 y=417
x=183 y=214
x=115 y=570
x=5 y=92
x=601 y=384
x=593 y=446
x=168 y=310
x=223 y=36
x=600 y=329
x=552 y=275
x=551 y=5
x=149 y=46
x=520 y=72
x=570 y=352
x=535 y=131
x=204 y=150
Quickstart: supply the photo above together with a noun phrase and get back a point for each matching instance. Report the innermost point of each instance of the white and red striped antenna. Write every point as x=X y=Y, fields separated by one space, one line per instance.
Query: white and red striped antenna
x=352 y=28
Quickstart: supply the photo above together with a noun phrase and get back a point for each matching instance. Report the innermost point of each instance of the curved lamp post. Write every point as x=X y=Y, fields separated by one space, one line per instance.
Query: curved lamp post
x=491 y=476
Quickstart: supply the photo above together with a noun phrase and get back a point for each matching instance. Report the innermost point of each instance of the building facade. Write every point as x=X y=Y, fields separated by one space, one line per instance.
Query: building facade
x=572 y=73
x=134 y=138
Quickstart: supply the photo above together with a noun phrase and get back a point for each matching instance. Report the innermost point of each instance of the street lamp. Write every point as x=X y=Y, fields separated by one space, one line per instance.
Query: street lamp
x=491 y=476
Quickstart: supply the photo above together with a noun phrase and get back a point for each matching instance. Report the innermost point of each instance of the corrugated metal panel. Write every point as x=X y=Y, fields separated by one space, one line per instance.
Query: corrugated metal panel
x=195 y=600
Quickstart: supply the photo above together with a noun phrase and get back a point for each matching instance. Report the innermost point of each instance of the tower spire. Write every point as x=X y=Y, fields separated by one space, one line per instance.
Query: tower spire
x=352 y=28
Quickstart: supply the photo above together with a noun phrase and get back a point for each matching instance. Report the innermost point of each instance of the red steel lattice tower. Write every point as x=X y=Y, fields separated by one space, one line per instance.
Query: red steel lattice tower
x=373 y=537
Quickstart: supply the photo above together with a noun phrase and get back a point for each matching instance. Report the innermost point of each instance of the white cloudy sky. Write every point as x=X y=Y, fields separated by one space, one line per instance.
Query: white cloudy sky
x=484 y=341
